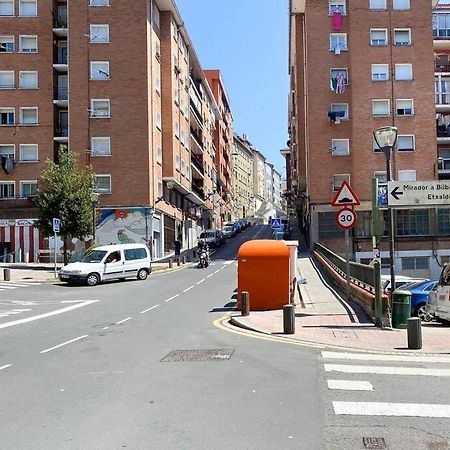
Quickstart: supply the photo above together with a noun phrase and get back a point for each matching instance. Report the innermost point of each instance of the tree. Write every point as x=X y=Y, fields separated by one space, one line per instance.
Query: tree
x=64 y=192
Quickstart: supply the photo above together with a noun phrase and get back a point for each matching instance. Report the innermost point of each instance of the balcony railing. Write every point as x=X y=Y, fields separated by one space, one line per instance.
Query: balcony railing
x=197 y=161
x=62 y=93
x=444 y=164
x=62 y=132
x=60 y=22
x=198 y=191
x=442 y=67
x=443 y=98
x=61 y=57
x=197 y=137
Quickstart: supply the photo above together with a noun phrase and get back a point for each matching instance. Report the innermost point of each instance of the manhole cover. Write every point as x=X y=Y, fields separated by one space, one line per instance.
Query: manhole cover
x=374 y=442
x=219 y=354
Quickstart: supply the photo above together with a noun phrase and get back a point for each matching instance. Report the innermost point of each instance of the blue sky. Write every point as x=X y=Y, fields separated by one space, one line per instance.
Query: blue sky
x=248 y=41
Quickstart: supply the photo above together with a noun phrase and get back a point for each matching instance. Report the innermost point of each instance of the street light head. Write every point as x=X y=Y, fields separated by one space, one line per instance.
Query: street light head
x=94 y=196
x=386 y=137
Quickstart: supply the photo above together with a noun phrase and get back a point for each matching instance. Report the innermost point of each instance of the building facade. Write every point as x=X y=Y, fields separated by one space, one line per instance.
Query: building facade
x=376 y=69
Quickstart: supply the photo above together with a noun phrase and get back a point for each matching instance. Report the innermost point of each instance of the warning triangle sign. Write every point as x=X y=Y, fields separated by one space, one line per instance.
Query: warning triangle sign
x=345 y=196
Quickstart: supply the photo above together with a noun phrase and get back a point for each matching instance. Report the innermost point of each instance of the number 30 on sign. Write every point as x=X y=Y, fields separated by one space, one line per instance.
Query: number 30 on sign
x=346 y=218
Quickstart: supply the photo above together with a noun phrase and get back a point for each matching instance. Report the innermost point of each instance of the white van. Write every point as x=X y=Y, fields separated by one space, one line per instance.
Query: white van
x=109 y=262
x=400 y=280
x=439 y=298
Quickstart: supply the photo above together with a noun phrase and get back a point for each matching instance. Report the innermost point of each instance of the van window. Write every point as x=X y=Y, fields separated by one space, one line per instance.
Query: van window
x=445 y=276
x=135 y=253
x=94 y=256
x=113 y=257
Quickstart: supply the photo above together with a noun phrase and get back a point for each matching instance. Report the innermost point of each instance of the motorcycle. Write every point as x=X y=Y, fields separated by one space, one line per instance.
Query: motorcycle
x=203 y=258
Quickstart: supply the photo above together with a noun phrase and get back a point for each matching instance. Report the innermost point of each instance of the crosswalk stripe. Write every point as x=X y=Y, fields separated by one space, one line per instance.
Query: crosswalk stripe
x=391 y=409
x=350 y=385
x=387 y=370
x=3 y=286
x=381 y=357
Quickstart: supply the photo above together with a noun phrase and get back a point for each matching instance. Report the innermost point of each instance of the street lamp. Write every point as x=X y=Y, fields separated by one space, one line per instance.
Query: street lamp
x=94 y=200
x=386 y=137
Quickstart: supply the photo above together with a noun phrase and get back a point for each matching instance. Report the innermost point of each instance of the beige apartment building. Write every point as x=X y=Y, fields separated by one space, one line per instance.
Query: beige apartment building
x=243 y=190
x=135 y=106
x=355 y=67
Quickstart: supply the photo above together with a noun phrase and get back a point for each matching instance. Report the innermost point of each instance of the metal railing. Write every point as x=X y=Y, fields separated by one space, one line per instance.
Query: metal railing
x=60 y=22
x=62 y=93
x=359 y=273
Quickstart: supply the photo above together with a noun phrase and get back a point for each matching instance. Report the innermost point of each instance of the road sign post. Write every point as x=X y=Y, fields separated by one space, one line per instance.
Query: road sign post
x=56 y=228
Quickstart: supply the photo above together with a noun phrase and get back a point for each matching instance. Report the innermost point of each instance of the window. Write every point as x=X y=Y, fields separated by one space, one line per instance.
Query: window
x=99 y=3
x=28 y=44
x=6 y=44
x=156 y=15
x=375 y=147
x=100 y=70
x=174 y=30
x=338 y=42
x=443 y=221
x=28 y=80
x=28 y=8
x=28 y=188
x=177 y=129
x=7 y=79
x=28 y=116
x=99 y=34
x=336 y=5
x=28 y=152
x=340 y=147
x=7 y=116
x=406 y=175
x=100 y=108
x=135 y=253
x=7 y=189
x=158 y=120
x=381 y=176
x=159 y=155
x=416 y=263
x=378 y=36
x=405 y=143
x=335 y=72
x=405 y=107
x=101 y=146
x=160 y=189
x=8 y=150
x=413 y=222
x=328 y=228
x=177 y=162
x=103 y=184
x=377 y=4
x=6 y=7
x=380 y=72
x=381 y=107
x=400 y=4
x=158 y=84
x=341 y=110
x=402 y=36
x=403 y=72
x=339 y=179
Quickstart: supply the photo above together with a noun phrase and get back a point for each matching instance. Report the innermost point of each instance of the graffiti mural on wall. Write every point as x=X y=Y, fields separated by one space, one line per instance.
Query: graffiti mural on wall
x=123 y=225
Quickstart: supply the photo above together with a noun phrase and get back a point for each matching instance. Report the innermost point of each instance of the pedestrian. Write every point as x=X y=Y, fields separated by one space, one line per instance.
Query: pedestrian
x=178 y=247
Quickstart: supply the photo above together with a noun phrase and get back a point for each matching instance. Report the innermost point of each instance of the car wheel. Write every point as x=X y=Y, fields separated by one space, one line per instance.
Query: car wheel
x=92 y=279
x=423 y=314
x=142 y=274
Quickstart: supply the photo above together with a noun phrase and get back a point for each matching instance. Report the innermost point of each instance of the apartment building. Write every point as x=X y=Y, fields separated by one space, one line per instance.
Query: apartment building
x=223 y=140
x=243 y=190
x=125 y=102
x=259 y=181
x=355 y=67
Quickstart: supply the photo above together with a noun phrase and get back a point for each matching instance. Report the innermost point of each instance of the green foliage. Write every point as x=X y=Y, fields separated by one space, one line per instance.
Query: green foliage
x=64 y=192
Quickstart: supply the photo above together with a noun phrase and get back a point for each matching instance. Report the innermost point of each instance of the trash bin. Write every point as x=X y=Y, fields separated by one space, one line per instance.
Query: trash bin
x=401 y=308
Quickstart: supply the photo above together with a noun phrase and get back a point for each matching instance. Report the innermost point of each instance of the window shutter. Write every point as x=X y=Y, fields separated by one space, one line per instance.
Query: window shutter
x=6 y=79
x=403 y=72
x=6 y=7
x=380 y=108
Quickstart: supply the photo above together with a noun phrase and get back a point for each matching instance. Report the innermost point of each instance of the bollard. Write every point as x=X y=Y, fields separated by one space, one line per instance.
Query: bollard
x=170 y=263
x=7 y=274
x=178 y=261
x=183 y=259
x=289 y=319
x=414 y=330
x=26 y=257
x=245 y=304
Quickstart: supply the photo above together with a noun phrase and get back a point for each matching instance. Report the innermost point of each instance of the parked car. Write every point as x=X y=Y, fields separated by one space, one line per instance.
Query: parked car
x=211 y=237
x=109 y=262
x=229 y=231
x=420 y=292
x=438 y=304
x=400 y=280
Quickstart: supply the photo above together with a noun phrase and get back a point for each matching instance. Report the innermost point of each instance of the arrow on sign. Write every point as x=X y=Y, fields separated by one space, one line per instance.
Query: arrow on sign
x=395 y=193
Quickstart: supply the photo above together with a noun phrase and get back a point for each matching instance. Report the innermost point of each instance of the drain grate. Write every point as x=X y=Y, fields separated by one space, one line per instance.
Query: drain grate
x=374 y=442
x=218 y=354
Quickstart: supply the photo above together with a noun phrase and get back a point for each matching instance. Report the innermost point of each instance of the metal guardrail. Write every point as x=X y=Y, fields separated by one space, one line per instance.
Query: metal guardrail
x=359 y=273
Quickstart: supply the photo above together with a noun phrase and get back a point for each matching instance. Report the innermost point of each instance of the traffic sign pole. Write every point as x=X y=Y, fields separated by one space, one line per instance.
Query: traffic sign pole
x=54 y=243
x=347 y=261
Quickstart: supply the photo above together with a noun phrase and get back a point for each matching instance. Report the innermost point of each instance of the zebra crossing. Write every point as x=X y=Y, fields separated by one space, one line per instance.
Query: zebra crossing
x=8 y=285
x=362 y=377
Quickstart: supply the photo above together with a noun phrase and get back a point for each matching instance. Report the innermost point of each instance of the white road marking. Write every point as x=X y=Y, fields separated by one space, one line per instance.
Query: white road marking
x=201 y=281
x=381 y=357
x=149 y=309
x=223 y=267
x=5 y=366
x=386 y=370
x=210 y=275
x=171 y=298
x=226 y=263
x=350 y=385
x=217 y=271
x=391 y=409
x=105 y=328
x=3 y=286
x=123 y=321
x=13 y=285
x=49 y=314
x=64 y=343
x=188 y=289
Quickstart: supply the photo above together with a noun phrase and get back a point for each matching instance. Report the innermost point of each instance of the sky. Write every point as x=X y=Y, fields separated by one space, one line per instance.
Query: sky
x=248 y=41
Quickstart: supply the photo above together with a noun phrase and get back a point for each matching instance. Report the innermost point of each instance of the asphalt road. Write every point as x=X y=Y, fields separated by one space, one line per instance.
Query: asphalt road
x=100 y=374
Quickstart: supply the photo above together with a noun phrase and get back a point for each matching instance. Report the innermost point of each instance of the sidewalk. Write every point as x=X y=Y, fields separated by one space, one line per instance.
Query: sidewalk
x=324 y=318
x=44 y=272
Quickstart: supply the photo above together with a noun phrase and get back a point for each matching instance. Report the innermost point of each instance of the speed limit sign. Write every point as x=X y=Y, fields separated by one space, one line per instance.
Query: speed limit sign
x=346 y=218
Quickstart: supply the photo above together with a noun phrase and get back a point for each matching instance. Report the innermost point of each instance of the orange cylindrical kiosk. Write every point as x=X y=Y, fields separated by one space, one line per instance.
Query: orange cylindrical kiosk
x=263 y=271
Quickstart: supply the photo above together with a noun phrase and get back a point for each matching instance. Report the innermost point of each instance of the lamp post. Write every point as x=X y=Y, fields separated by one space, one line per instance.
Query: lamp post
x=94 y=200
x=386 y=137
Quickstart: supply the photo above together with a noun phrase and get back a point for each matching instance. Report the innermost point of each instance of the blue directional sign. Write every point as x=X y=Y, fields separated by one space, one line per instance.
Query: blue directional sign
x=56 y=225
x=276 y=222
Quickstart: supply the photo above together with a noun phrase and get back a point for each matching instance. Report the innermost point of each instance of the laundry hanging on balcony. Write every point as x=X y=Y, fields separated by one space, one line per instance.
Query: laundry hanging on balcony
x=337 y=83
x=7 y=163
x=336 y=19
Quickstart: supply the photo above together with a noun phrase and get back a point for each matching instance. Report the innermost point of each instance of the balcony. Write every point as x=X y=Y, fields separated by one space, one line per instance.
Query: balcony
x=61 y=96
x=60 y=24
x=61 y=134
x=442 y=67
x=441 y=31
x=198 y=139
x=197 y=165
x=61 y=60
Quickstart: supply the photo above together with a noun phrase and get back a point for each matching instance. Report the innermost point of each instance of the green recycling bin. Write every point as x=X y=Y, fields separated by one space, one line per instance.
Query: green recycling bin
x=401 y=308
